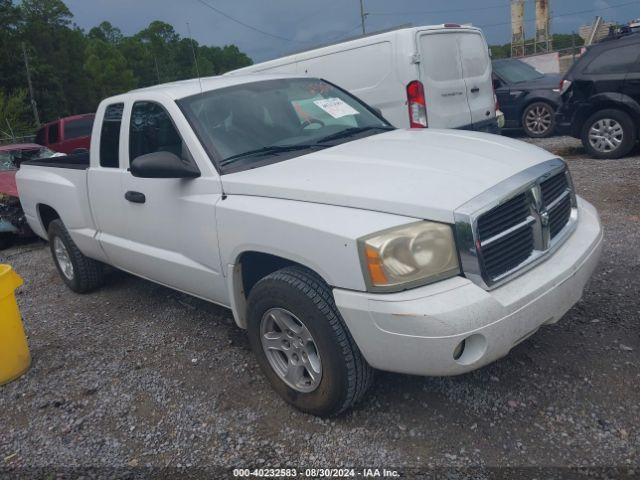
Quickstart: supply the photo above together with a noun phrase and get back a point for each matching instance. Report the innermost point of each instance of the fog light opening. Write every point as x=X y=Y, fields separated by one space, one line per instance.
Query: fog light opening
x=459 y=350
x=470 y=350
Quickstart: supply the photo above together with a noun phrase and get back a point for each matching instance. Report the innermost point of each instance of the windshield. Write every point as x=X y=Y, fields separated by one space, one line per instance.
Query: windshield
x=11 y=159
x=254 y=124
x=516 y=71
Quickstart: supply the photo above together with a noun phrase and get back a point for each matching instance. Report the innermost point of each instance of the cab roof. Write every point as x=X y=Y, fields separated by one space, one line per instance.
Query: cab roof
x=186 y=88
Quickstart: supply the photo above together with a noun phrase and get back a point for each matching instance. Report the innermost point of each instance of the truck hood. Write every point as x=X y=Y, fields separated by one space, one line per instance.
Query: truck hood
x=424 y=174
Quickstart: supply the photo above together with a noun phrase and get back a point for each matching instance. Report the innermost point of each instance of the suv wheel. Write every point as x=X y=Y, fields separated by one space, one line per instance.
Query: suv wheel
x=302 y=344
x=538 y=120
x=81 y=274
x=609 y=134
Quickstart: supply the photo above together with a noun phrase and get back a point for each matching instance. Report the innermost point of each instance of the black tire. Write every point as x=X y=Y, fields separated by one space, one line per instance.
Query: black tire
x=547 y=123
x=87 y=273
x=6 y=240
x=629 y=132
x=346 y=375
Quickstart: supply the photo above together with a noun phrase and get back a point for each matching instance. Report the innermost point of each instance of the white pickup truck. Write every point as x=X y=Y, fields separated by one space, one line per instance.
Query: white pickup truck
x=340 y=243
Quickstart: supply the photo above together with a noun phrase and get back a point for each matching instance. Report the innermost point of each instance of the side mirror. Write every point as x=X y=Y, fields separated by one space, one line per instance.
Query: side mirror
x=377 y=110
x=496 y=83
x=162 y=165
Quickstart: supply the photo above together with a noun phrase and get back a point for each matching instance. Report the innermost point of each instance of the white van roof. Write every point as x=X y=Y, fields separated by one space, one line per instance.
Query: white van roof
x=402 y=30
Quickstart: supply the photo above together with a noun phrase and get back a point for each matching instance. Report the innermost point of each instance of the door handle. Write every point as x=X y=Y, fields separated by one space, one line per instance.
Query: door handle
x=135 y=197
x=475 y=90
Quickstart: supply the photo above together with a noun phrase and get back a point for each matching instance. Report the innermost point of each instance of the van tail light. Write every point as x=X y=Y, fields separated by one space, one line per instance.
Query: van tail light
x=564 y=86
x=417 y=105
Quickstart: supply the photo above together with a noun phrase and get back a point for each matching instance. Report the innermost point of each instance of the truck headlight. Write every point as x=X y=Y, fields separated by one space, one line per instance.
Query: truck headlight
x=409 y=256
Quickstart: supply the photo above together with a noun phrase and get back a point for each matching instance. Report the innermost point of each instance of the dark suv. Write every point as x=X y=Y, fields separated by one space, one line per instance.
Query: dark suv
x=601 y=98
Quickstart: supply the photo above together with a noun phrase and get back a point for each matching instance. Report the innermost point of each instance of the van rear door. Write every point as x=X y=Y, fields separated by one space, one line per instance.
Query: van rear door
x=441 y=74
x=455 y=69
x=476 y=70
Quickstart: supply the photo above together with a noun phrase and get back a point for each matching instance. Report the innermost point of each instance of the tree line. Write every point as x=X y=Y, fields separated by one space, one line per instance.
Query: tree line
x=71 y=69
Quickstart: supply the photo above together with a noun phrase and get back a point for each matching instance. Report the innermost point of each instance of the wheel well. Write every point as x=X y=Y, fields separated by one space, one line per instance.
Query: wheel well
x=249 y=269
x=256 y=265
x=583 y=116
x=47 y=215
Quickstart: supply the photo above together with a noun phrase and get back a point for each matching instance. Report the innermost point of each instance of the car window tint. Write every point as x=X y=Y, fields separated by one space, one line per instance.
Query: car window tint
x=54 y=133
x=40 y=137
x=615 y=61
x=78 y=128
x=110 y=136
x=151 y=130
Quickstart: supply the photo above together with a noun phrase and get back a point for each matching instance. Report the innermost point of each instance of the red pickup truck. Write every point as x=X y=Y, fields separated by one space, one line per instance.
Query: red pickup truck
x=66 y=135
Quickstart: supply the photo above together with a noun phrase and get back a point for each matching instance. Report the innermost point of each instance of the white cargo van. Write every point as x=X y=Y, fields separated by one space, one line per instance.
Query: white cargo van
x=437 y=76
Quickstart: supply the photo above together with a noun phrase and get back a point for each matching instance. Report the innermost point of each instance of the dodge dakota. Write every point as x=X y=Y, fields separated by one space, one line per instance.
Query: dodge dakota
x=340 y=243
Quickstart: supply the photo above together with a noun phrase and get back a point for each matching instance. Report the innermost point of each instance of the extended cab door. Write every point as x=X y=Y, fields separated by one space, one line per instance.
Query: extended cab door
x=163 y=229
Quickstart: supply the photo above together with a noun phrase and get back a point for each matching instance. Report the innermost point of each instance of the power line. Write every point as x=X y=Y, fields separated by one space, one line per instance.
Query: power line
x=256 y=29
x=251 y=27
x=488 y=7
x=568 y=14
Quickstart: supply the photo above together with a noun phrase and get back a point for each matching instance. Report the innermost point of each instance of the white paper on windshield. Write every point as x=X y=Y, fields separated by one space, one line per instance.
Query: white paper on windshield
x=335 y=107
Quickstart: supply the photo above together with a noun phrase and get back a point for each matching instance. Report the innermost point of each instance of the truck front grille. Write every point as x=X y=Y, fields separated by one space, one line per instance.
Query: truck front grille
x=527 y=222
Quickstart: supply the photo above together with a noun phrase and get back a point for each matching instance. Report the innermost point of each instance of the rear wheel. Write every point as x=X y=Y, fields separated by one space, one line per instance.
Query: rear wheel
x=6 y=240
x=302 y=344
x=609 y=134
x=538 y=120
x=80 y=273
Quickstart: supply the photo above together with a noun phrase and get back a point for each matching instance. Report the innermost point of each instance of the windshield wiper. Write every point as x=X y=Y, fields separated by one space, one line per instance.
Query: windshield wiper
x=352 y=131
x=272 y=149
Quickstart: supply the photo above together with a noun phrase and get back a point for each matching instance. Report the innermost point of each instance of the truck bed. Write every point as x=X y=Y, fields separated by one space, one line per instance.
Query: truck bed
x=77 y=161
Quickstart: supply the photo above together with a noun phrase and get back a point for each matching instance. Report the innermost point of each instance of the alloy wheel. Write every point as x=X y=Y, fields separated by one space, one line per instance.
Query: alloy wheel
x=62 y=258
x=539 y=119
x=606 y=135
x=291 y=350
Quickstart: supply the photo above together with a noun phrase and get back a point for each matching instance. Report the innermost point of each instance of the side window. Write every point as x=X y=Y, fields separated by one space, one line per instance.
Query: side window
x=110 y=136
x=54 y=133
x=78 y=128
x=40 y=137
x=152 y=130
x=611 y=62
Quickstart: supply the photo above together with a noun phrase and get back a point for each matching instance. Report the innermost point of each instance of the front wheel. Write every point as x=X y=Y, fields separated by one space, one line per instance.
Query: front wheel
x=81 y=274
x=538 y=120
x=609 y=134
x=302 y=344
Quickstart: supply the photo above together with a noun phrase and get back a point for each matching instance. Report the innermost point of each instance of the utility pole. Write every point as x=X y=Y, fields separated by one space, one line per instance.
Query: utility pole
x=362 y=16
x=34 y=106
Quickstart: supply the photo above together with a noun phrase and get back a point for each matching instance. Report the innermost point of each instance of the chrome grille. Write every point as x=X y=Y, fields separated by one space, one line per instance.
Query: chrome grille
x=508 y=229
x=504 y=217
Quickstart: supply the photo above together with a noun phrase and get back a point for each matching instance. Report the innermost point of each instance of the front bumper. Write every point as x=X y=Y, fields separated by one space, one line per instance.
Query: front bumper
x=420 y=331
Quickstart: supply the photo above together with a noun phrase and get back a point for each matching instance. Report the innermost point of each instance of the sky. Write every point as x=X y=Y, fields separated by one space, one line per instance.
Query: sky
x=292 y=25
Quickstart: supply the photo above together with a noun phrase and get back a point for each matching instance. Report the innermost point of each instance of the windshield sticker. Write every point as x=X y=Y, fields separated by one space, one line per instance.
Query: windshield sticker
x=335 y=107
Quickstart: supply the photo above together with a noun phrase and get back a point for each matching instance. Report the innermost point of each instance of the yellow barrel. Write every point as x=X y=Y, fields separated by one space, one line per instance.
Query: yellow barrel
x=14 y=351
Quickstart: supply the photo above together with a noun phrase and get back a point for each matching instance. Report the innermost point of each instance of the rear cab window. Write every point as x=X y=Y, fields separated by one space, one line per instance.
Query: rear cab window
x=110 y=136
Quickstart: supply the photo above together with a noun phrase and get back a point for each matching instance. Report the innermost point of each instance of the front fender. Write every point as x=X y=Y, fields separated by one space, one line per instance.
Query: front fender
x=321 y=237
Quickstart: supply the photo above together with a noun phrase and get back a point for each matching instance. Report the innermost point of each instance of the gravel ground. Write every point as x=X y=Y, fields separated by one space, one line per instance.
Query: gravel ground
x=138 y=375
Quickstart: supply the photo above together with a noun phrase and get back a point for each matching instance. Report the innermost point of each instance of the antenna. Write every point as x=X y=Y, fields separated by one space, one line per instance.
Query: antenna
x=195 y=57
